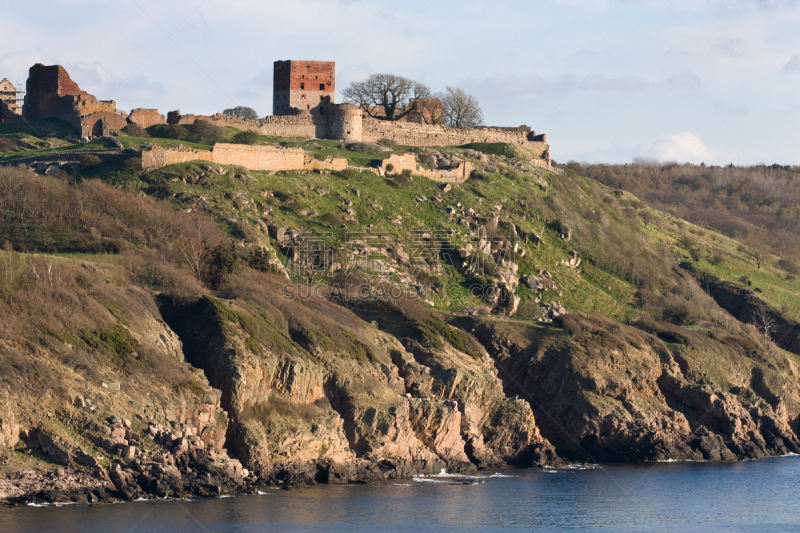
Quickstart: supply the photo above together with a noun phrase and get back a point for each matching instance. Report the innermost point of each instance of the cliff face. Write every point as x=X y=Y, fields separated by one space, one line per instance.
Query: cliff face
x=363 y=406
x=608 y=392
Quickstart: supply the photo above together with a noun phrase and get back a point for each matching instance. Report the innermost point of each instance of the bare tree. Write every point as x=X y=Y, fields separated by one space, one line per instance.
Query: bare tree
x=764 y=322
x=387 y=92
x=246 y=113
x=757 y=255
x=461 y=110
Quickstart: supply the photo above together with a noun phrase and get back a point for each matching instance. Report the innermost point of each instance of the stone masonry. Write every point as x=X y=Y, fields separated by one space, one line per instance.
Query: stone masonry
x=268 y=158
x=303 y=86
x=146 y=117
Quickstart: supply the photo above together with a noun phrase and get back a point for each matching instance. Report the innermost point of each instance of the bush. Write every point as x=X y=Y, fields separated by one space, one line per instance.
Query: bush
x=89 y=161
x=246 y=137
x=788 y=266
x=224 y=261
x=134 y=164
x=390 y=168
x=134 y=130
x=349 y=174
x=207 y=133
x=385 y=141
x=176 y=131
x=403 y=179
x=7 y=145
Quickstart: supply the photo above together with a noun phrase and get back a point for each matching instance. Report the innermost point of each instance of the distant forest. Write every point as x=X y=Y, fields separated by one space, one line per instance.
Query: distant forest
x=757 y=205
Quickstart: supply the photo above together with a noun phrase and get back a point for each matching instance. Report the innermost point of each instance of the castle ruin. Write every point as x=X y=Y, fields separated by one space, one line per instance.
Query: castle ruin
x=303 y=86
x=303 y=107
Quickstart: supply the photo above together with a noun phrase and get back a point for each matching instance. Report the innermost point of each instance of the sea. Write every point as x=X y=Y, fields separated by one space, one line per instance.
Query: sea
x=760 y=495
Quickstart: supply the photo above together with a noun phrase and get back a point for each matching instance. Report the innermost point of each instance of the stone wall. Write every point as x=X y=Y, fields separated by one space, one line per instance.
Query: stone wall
x=7 y=114
x=97 y=124
x=259 y=157
x=411 y=134
x=303 y=126
x=146 y=117
x=268 y=158
x=408 y=162
x=175 y=117
x=86 y=104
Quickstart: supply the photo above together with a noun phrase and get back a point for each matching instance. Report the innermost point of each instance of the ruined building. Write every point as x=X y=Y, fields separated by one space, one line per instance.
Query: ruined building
x=52 y=94
x=10 y=108
x=303 y=86
x=303 y=105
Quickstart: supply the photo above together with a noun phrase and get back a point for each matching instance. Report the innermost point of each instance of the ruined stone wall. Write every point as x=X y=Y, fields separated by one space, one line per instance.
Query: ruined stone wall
x=305 y=85
x=45 y=88
x=431 y=135
x=268 y=158
x=158 y=157
x=259 y=157
x=175 y=117
x=303 y=126
x=98 y=124
x=86 y=104
x=7 y=114
x=146 y=117
x=400 y=163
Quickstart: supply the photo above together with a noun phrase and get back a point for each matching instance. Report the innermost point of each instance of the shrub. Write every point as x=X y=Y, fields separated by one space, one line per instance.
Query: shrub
x=246 y=137
x=135 y=130
x=349 y=174
x=7 y=145
x=404 y=178
x=788 y=266
x=206 y=132
x=134 y=164
x=224 y=261
x=386 y=141
x=332 y=219
x=89 y=161
x=696 y=254
x=390 y=168
x=176 y=131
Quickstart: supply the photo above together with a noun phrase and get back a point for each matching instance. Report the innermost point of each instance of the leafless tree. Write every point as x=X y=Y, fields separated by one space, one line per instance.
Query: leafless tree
x=764 y=322
x=461 y=110
x=246 y=113
x=385 y=96
x=757 y=255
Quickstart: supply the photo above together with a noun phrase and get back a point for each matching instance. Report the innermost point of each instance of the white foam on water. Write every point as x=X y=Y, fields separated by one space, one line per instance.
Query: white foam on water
x=501 y=475
x=226 y=496
x=402 y=484
x=31 y=504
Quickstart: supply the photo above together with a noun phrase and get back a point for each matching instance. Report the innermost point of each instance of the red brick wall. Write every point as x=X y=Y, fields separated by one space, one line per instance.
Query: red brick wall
x=45 y=87
x=304 y=85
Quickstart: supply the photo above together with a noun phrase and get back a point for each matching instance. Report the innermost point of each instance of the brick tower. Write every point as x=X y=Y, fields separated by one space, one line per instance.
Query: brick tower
x=303 y=85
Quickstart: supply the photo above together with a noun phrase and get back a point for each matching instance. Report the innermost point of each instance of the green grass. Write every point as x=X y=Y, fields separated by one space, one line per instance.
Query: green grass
x=98 y=145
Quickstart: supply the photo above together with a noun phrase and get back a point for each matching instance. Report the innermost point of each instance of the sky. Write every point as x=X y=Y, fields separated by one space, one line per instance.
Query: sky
x=607 y=80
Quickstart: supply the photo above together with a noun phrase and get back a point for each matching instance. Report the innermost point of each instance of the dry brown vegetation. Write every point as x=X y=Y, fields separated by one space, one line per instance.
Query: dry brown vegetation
x=756 y=205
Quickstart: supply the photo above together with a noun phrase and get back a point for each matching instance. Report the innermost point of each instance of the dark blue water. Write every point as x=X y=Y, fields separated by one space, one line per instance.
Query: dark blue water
x=748 y=496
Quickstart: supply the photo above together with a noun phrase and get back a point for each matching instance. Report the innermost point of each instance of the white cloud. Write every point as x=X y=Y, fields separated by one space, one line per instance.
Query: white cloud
x=732 y=48
x=683 y=80
x=682 y=147
x=793 y=65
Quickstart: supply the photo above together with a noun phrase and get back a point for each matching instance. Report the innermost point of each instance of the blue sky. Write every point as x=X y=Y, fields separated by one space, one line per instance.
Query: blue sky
x=607 y=80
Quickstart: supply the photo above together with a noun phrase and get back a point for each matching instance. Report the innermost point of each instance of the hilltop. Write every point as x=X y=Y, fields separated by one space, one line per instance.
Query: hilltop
x=333 y=326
